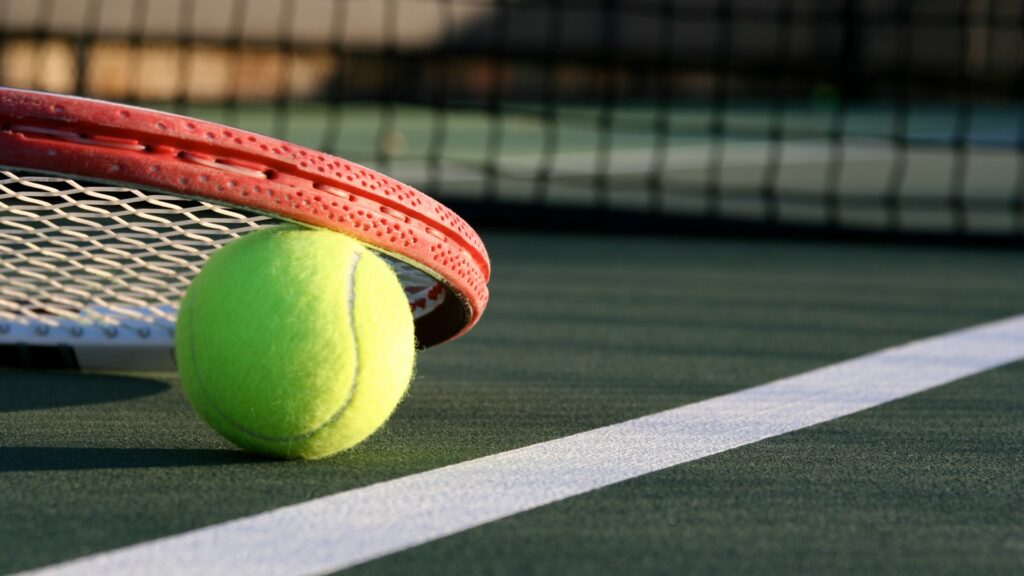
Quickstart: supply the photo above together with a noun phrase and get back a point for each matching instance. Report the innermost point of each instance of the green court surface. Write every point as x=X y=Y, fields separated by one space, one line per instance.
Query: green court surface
x=586 y=331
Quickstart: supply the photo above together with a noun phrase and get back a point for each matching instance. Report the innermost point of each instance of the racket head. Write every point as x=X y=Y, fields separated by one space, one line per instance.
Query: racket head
x=152 y=194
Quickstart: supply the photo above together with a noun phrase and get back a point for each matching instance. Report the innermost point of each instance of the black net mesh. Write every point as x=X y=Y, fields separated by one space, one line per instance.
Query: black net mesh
x=880 y=116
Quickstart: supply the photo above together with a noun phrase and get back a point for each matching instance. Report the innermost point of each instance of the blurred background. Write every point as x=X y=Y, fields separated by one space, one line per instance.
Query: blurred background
x=844 y=117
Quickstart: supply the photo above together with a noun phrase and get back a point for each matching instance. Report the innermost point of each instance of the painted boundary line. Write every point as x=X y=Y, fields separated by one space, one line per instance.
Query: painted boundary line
x=349 y=528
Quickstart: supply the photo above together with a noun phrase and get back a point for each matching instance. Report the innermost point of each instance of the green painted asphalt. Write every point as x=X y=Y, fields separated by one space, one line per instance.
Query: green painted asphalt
x=585 y=331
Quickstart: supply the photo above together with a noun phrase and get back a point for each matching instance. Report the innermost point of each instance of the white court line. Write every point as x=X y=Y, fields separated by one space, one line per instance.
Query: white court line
x=349 y=528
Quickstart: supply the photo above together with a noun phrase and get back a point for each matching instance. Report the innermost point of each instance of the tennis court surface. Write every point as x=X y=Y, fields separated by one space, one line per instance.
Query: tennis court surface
x=755 y=305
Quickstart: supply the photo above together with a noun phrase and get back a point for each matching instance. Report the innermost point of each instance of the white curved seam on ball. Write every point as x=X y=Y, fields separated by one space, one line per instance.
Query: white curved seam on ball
x=351 y=389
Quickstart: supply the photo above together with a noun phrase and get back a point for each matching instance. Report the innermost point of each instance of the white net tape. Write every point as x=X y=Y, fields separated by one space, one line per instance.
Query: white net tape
x=76 y=255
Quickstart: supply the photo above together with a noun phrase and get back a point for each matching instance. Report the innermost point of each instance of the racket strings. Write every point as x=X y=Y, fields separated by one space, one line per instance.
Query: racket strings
x=80 y=253
x=76 y=253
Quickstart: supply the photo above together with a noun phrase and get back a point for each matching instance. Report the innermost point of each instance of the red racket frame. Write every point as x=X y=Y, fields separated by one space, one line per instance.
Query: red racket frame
x=157 y=151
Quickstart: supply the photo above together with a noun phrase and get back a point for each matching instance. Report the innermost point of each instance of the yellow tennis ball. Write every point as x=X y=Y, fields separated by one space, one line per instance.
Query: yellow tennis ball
x=295 y=343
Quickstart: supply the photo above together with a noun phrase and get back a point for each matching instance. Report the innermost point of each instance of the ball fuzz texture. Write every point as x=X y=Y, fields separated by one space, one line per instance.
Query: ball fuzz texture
x=295 y=343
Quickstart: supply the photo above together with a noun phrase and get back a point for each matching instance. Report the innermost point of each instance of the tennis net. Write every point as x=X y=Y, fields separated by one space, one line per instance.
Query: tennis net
x=887 y=117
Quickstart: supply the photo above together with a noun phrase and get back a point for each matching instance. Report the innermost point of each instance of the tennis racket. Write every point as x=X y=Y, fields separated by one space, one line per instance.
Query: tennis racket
x=108 y=211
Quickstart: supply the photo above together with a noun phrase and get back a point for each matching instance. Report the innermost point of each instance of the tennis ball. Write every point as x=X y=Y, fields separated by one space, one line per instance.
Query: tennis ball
x=295 y=343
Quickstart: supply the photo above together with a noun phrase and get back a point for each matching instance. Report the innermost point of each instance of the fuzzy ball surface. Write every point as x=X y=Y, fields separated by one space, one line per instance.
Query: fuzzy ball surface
x=295 y=343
